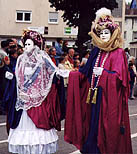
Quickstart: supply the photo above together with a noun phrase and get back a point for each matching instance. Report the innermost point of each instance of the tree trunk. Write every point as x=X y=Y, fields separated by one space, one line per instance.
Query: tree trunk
x=85 y=20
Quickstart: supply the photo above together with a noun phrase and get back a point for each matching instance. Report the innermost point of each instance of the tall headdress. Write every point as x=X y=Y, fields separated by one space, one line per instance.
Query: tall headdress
x=104 y=20
x=34 y=36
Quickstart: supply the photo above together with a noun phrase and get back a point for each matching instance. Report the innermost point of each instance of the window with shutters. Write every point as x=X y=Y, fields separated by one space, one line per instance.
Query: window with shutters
x=53 y=18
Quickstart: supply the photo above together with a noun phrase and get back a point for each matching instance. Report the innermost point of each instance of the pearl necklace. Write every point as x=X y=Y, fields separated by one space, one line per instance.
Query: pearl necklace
x=96 y=64
x=94 y=89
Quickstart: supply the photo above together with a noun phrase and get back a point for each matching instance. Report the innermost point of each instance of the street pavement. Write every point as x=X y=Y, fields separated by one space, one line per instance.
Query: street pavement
x=65 y=148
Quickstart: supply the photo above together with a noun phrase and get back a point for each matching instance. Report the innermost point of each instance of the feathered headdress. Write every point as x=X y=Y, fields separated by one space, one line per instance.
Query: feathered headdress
x=104 y=20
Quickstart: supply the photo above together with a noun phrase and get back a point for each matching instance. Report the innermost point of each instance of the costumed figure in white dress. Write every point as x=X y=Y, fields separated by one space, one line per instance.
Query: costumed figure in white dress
x=38 y=83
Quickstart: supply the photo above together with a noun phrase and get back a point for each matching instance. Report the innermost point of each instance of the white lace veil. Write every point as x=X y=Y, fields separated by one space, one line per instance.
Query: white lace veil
x=34 y=74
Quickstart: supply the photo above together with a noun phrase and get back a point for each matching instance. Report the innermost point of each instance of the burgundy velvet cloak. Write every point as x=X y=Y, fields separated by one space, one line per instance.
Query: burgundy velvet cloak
x=48 y=114
x=113 y=110
x=77 y=111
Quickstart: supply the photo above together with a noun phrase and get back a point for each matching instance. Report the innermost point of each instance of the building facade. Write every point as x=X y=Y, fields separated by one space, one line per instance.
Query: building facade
x=119 y=14
x=17 y=15
x=130 y=31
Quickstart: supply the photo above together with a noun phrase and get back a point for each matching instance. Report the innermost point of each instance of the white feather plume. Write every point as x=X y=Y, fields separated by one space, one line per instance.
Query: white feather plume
x=103 y=11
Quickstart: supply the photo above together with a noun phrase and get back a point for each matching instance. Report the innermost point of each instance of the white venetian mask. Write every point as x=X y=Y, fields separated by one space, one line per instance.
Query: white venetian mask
x=105 y=35
x=29 y=44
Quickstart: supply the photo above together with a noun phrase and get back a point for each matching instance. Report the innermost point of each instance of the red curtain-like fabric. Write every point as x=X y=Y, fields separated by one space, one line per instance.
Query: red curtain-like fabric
x=48 y=114
x=77 y=111
x=114 y=106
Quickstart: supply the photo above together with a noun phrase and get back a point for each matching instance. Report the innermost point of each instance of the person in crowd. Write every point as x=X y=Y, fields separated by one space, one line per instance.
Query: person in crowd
x=4 y=45
x=9 y=97
x=58 y=46
x=127 y=53
x=19 y=49
x=62 y=66
x=76 y=64
x=97 y=118
x=4 y=62
x=132 y=79
x=9 y=80
x=65 y=46
x=14 y=41
x=71 y=53
x=76 y=56
x=52 y=54
x=13 y=54
x=132 y=60
x=62 y=60
x=68 y=65
x=47 y=49
x=38 y=100
x=7 y=73
x=84 y=58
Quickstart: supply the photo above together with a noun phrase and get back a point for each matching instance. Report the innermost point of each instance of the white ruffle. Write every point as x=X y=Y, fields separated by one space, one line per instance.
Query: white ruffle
x=34 y=149
x=28 y=139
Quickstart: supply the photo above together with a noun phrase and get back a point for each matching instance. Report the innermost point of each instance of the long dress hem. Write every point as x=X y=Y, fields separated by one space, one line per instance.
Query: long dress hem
x=27 y=138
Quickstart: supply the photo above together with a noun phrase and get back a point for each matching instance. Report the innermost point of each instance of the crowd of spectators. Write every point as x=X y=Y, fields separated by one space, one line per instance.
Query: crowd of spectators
x=9 y=52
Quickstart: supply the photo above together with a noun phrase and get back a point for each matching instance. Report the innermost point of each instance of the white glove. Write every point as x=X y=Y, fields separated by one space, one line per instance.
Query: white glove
x=63 y=73
x=8 y=75
x=98 y=71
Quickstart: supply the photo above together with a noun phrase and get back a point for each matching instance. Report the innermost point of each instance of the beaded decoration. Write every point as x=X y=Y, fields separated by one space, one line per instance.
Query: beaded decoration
x=94 y=88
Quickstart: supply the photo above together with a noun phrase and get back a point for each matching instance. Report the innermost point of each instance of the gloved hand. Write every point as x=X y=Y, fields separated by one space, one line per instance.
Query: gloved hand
x=8 y=75
x=98 y=71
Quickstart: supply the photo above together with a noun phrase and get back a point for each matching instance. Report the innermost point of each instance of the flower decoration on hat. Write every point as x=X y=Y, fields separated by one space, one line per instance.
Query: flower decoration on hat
x=104 y=20
x=34 y=36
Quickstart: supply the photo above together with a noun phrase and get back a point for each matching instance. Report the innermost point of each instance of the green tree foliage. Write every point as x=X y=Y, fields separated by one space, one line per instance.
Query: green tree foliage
x=81 y=13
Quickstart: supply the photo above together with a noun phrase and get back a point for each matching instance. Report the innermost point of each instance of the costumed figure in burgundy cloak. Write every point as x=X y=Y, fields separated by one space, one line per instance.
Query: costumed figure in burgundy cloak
x=38 y=97
x=97 y=118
